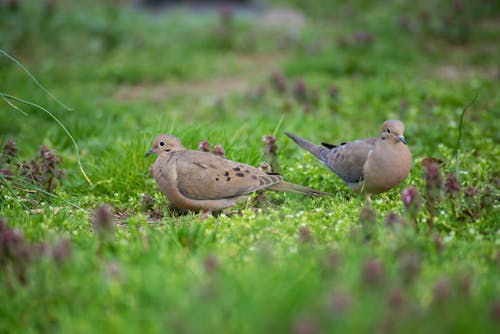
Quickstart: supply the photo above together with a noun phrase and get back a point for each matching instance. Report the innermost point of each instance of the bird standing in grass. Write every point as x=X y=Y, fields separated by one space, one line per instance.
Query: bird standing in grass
x=371 y=166
x=206 y=182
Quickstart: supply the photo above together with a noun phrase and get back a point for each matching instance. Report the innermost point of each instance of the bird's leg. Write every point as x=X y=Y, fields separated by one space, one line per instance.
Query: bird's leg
x=205 y=214
x=368 y=199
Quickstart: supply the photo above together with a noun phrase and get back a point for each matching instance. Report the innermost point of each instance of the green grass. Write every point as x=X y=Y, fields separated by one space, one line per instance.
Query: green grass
x=282 y=265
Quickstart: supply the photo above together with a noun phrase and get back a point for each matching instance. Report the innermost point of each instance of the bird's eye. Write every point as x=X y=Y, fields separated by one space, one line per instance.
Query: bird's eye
x=388 y=130
x=162 y=143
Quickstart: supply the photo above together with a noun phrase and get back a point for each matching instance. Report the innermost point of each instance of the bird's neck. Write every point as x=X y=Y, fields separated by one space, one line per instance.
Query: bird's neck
x=388 y=145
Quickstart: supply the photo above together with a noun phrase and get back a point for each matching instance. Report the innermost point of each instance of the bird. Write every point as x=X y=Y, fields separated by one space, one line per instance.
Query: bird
x=370 y=166
x=203 y=181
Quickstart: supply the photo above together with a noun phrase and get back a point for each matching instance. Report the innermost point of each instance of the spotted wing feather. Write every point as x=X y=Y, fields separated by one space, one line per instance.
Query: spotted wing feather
x=203 y=176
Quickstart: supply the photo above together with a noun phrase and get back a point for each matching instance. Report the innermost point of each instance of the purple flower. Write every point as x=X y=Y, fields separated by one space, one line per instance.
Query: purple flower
x=396 y=299
x=372 y=272
x=43 y=170
x=452 y=186
x=204 y=146
x=333 y=92
x=219 y=150
x=41 y=249
x=363 y=37
x=6 y=172
x=332 y=260
x=270 y=144
x=305 y=234
x=412 y=201
x=30 y=171
x=50 y=162
x=368 y=215
x=62 y=251
x=278 y=82
x=409 y=196
x=14 y=251
x=103 y=220
x=13 y=246
x=433 y=180
x=471 y=192
x=340 y=301
x=147 y=203
x=10 y=149
x=442 y=289
x=211 y=264
x=271 y=152
x=300 y=90
x=305 y=326
x=409 y=266
x=433 y=186
x=393 y=220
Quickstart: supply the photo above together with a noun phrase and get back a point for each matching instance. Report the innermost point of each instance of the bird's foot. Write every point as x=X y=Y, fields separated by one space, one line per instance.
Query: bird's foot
x=368 y=199
x=205 y=214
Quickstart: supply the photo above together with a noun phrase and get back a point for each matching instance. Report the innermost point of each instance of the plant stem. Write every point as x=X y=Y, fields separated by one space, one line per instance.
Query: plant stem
x=457 y=147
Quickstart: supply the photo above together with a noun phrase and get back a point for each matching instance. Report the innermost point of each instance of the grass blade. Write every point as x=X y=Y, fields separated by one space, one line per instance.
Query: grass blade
x=459 y=138
x=32 y=77
x=17 y=99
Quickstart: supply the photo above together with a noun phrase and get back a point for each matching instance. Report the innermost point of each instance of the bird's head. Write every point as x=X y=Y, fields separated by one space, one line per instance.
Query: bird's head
x=393 y=130
x=165 y=143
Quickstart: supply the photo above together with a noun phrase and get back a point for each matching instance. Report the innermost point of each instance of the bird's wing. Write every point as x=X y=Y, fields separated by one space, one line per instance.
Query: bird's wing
x=202 y=175
x=348 y=160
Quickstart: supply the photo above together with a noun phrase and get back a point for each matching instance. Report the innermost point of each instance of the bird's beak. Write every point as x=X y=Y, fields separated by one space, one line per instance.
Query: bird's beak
x=402 y=139
x=148 y=153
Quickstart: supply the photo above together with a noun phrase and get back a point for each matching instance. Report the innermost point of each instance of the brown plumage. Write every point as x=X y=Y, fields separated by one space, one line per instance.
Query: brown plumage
x=373 y=165
x=196 y=180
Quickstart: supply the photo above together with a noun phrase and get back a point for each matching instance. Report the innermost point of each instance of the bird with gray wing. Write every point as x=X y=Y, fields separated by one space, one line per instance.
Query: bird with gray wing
x=371 y=166
x=203 y=181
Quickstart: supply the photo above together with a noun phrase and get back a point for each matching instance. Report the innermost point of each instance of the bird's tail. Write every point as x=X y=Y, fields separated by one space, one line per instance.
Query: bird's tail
x=314 y=149
x=298 y=189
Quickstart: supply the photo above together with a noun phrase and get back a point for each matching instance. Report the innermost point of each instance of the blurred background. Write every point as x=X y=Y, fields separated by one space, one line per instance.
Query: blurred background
x=134 y=68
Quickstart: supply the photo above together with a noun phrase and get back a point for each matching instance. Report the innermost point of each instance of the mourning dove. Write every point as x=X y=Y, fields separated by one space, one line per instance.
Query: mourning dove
x=373 y=165
x=196 y=180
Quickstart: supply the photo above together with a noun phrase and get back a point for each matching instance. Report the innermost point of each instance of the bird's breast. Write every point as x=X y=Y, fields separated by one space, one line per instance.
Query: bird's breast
x=385 y=169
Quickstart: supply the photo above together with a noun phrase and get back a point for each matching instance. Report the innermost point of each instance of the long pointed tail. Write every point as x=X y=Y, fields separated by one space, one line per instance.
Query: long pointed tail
x=314 y=149
x=298 y=189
